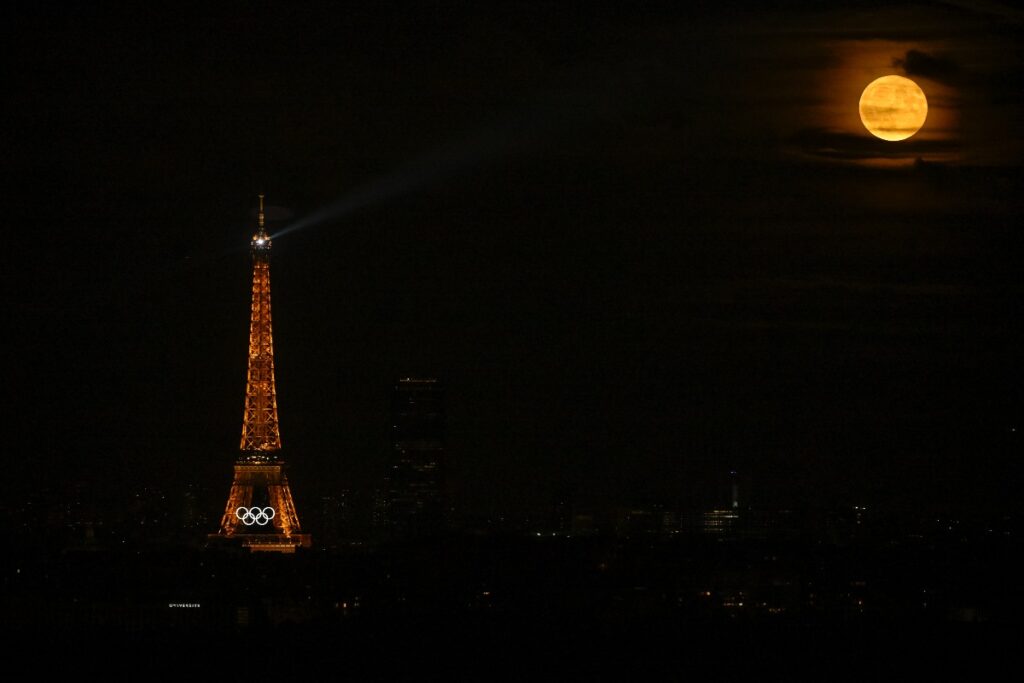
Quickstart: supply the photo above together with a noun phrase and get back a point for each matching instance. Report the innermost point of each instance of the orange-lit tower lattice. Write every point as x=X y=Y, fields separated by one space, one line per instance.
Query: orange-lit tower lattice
x=260 y=482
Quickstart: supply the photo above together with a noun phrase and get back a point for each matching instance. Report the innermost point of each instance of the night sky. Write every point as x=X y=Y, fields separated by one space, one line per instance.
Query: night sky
x=639 y=247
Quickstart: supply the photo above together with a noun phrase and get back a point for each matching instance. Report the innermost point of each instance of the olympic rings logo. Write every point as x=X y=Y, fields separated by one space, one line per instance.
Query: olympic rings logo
x=255 y=515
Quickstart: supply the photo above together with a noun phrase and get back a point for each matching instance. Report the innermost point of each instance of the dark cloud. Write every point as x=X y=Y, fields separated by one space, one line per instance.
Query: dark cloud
x=938 y=69
x=832 y=144
x=1006 y=85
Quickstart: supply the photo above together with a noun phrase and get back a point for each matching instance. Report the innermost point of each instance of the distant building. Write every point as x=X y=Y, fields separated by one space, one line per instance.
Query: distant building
x=724 y=522
x=335 y=520
x=719 y=522
x=416 y=493
x=636 y=521
x=379 y=511
x=192 y=512
x=562 y=510
x=584 y=524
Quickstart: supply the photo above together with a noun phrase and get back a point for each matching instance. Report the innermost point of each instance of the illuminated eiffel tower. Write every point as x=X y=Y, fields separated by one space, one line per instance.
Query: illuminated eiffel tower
x=260 y=513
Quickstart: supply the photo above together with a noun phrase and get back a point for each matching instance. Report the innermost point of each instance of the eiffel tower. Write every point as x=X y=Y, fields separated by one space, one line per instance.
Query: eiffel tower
x=260 y=513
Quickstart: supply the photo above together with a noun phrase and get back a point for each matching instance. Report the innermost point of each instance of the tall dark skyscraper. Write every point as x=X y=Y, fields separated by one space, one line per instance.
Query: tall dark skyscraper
x=416 y=500
x=335 y=520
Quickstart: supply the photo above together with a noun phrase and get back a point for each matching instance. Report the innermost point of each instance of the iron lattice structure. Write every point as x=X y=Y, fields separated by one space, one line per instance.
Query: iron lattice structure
x=259 y=471
x=260 y=432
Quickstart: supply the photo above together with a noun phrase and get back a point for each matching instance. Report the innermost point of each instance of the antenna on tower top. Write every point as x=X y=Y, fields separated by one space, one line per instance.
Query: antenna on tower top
x=260 y=215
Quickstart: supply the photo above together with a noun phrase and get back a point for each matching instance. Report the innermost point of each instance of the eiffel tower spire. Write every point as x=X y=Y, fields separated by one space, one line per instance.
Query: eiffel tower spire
x=260 y=433
x=260 y=512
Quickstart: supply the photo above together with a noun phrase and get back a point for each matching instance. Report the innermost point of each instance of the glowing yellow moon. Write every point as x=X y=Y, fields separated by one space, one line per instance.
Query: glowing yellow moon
x=893 y=108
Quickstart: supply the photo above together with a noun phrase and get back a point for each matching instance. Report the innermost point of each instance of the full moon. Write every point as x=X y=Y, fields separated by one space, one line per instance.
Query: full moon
x=893 y=108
